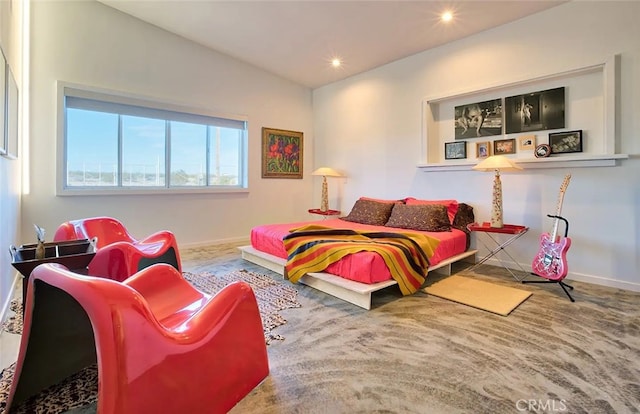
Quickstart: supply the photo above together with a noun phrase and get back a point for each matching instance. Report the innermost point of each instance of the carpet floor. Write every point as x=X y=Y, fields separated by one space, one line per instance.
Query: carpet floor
x=424 y=354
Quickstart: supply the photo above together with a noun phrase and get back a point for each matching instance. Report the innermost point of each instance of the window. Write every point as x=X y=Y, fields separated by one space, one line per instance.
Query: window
x=115 y=143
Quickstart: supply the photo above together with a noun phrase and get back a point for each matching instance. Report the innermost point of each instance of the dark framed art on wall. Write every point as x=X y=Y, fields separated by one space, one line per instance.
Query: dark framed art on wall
x=455 y=150
x=565 y=142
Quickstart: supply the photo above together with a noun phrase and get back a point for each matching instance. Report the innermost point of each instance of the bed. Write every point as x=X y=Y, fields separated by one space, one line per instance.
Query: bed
x=355 y=277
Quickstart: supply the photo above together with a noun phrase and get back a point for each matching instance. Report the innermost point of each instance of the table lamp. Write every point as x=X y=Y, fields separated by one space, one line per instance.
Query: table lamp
x=325 y=172
x=497 y=163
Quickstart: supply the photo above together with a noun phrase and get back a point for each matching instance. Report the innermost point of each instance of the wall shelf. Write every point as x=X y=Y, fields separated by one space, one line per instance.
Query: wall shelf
x=533 y=163
x=591 y=106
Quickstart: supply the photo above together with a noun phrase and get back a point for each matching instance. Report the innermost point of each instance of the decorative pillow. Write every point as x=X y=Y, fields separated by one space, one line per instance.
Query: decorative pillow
x=379 y=200
x=464 y=217
x=425 y=217
x=452 y=205
x=367 y=211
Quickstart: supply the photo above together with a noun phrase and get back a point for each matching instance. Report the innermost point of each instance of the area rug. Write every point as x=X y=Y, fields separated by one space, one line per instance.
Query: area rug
x=13 y=324
x=478 y=294
x=81 y=389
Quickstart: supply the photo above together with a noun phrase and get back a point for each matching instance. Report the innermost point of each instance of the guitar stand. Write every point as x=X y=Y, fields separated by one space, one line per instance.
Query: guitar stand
x=563 y=285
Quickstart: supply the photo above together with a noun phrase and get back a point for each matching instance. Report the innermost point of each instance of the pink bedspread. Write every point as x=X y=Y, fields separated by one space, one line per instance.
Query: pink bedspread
x=365 y=267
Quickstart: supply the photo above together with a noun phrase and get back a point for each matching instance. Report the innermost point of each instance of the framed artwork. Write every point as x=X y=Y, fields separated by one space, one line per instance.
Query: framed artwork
x=3 y=94
x=535 y=111
x=526 y=142
x=542 y=151
x=281 y=153
x=11 y=121
x=504 y=146
x=483 y=149
x=564 y=142
x=455 y=150
x=478 y=119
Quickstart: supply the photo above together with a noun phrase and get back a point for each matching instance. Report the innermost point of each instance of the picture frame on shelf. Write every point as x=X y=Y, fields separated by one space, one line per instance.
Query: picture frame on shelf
x=542 y=151
x=282 y=153
x=526 y=142
x=565 y=142
x=456 y=150
x=504 y=146
x=483 y=149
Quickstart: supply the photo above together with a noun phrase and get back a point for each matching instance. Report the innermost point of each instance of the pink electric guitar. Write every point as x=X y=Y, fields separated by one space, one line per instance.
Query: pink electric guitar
x=551 y=260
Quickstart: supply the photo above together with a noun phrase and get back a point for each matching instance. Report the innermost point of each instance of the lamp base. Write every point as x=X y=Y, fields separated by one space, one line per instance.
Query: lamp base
x=324 y=203
x=496 y=208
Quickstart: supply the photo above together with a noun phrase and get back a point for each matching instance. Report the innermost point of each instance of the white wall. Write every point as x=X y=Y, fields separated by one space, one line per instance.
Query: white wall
x=11 y=39
x=370 y=127
x=91 y=44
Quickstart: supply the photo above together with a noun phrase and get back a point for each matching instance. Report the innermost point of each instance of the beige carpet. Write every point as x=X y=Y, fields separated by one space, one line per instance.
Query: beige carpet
x=479 y=294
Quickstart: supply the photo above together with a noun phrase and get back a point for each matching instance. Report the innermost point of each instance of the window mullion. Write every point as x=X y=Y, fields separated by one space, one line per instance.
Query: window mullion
x=167 y=154
x=120 y=169
x=208 y=157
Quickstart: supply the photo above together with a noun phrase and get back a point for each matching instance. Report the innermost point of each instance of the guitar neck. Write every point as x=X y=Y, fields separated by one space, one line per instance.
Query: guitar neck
x=563 y=188
x=554 y=233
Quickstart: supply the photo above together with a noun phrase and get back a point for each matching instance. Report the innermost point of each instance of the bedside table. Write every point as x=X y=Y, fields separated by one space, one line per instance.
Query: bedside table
x=324 y=214
x=512 y=231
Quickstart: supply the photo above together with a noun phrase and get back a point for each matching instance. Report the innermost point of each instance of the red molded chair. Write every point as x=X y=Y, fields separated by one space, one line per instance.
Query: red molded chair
x=161 y=346
x=118 y=253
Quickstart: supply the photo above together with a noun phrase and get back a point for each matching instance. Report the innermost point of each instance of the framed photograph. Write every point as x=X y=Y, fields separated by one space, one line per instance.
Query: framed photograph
x=281 y=153
x=534 y=111
x=526 y=142
x=564 y=142
x=478 y=119
x=455 y=150
x=504 y=146
x=483 y=149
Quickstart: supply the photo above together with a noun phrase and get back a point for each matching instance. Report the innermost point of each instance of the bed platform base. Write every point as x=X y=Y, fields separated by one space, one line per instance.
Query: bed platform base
x=348 y=290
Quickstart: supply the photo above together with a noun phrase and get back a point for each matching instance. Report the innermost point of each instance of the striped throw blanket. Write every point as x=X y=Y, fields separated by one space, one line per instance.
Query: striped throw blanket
x=313 y=248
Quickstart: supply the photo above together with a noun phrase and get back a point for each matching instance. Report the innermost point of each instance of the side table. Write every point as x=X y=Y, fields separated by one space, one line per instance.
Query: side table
x=513 y=231
x=324 y=214
x=73 y=254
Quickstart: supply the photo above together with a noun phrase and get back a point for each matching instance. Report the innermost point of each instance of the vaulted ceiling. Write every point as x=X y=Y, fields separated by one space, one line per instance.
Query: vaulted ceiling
x=298 y=39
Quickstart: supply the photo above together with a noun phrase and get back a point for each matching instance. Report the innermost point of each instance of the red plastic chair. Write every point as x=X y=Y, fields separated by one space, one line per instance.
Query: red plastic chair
x=161 y=346
x=118 y=254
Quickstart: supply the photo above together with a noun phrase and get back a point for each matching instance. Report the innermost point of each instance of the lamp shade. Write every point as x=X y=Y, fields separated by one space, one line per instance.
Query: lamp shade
x=496 y=162
x=326 y=172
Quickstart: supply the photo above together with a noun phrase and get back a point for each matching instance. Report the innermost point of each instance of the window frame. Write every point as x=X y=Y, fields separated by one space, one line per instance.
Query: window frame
x=108 y=97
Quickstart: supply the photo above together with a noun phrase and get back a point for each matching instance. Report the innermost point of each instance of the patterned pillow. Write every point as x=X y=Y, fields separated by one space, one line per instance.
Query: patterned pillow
x=425 y=217
x=367 y=211
x=452 y=205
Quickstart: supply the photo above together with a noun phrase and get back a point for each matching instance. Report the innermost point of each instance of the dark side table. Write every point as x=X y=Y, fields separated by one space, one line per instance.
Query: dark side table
x=73 y=254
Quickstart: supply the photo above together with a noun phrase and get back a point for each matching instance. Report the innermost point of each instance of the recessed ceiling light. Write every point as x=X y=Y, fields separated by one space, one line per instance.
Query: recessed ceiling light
x=336 y=62
x=447 y=16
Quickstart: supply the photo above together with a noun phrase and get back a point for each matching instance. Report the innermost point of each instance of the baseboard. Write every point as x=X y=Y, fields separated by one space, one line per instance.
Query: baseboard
x=579 y=277
x=6 y=303
x=604 y=281
x=234 y=240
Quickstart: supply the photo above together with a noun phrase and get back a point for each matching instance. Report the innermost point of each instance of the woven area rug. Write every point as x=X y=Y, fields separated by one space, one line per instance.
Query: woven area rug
x=478 y=294
x=81 y=389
